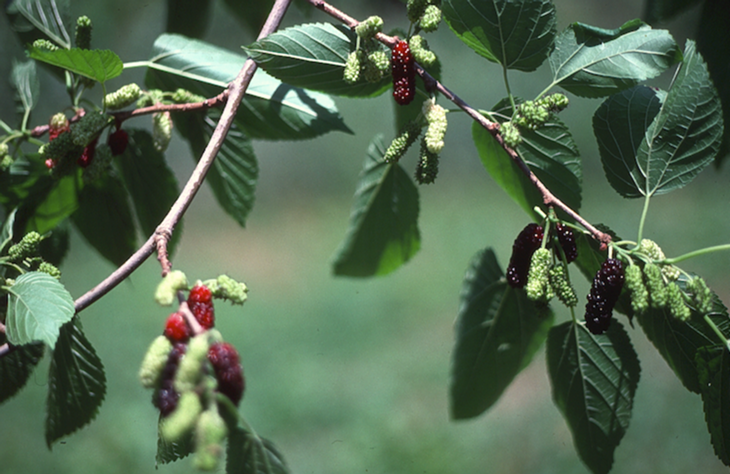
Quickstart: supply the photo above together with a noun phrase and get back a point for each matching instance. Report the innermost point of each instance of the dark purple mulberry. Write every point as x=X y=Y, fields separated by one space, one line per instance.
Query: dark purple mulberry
x=567 y=242
x=524 y=246
x=166 y=397
x=605 y=290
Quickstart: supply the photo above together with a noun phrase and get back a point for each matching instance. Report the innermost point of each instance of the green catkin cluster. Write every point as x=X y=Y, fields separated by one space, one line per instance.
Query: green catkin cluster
x=169 y=286
x=83 y=32
x=428 y=166
x=367 y=29
x=437 y=124
x=88 y=128
x=430 y=19
x=27 y=247
x=655 y=285
x=376 y=66
x=154 y=361
x=210 y=432
x=161 y=130
x=653 y=251
x=510 y=135
x=190 y=370
x=50 y=269
x=554 y=102
x=184 y=96
x=352 y=67
x=227 y=288
x=402 y=142
x=701 y=295
x=183 y=419
x=561 y=286
x=634 y=281
x=675 y=300
x=44 y=44
x=531 y=115
x=420 y=51
x=538 y=286
x=415 y=9
x=122 y=97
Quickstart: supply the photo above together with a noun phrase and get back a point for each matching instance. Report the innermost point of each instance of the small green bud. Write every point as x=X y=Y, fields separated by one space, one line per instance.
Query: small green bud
x=27 y=247
x=655 y=285
x=59 y=121
x=651 y=249
x=561 y=286
x=183 y=96
x=154 y=361
x=210 y=432
x=554 y=102
x=88 y=128
x=510 y=135
x=369 y=28
x=4 y=149
x=420 y=51
x=5 y=162
x=675 y=300
x=50 y=269
x=161 y=130
x=44 y=44
x=430 y=19
x=416 y=9
x=183 y=419
x=402 y=142
x=437 y=124
x=634 y=281
x=428 y=165
x=671 y=273
x=191 y=366
x=538 y=280
x=353 y=64
x=531 y=116
x=167 y=289
x=83 y=32
x=701 y=295
x=122 y=97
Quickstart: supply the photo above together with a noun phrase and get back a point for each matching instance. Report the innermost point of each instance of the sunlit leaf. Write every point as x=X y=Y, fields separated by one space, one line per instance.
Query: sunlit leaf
x=38 y=305
x=498 y=330
x=516 y=34
x=594 y=379
x=76 y=384
x=33 y=19
x=383 y=230
x=27 y=86
x=99 y=65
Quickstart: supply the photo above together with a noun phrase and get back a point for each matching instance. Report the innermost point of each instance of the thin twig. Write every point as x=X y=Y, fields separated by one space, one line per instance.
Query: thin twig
x=159 y=239
x=549 y=199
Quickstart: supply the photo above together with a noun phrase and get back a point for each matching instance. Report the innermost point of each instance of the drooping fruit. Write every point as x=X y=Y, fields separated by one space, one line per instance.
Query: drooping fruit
x=200 y=302
x=528 y=240
x=166 y=397
x=567 y=242
x=228 y=371
x=176 y=328
x=118 y=141
x=604 y=293
x=404 y=73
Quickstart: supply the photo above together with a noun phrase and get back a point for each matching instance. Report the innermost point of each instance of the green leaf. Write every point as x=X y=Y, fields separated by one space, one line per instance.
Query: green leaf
x=170 y=451
x=549 y=152
x=58 y=202
x=593 y=62
x=27 y=86
x=6 y=233
x=235 y=170
x=678 y=341
x=383 y=231
x=76 y=384
x=150 y=182
x=652 y=145
x=250 y=454
x=17 y=366
x=270 y=109
x=594 y=379
x=498 y=331
x=104 y=218
x=33 y=19
x=713 y=368
x=313 y=56
x=38 y=305
x=97 y=64
x=515 y=34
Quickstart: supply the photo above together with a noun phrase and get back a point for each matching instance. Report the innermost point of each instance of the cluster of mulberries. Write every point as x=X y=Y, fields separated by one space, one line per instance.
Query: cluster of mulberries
x=526 y=243
x=404 y=73
x=368 y=28
x=420 y=51
x=604 y=294
x=26 y=254
x=426 y=13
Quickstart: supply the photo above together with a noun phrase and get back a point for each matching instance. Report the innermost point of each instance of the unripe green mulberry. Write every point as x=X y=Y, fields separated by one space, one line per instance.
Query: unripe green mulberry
x=50 y=269
x=352 y=67
x=531 y=116
x=183 y=419
x=4 y=149
x=554 y=102
x=229 y=289
x=376 y=66
x=122 y=97
x=184 y=96
x=420 y=51
x=428 y=165
x=402 y=142
x=191 y=366
x=59 y=121
x=44 y=44
x=430 y=19
x=655 y=285
x=416 y=9
x=538 y=280
x=154 y=361
x=27 y=247
x=369 y=28
x=701 y=295
x=161 y=130
x=639 y=294
x=651 y=249
x=83 y=32
x=675 y=300
x=561 y=286
x=436 y=118
x=510 y=135
x=5 y=162
x=88 y=128
x=151 y=97
x=210 y=432
x=169 y=286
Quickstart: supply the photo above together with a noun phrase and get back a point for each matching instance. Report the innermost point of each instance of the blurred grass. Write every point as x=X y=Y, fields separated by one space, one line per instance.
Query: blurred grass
x=350 y=376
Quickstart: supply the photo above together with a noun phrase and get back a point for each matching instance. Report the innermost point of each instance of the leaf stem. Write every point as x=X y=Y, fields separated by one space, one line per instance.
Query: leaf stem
x=509 y=91
x=696 y=253
x=644 y=213
x=717 y=331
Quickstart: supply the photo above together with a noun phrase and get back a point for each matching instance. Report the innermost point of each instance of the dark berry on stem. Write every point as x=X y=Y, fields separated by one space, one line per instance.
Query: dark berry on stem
x=118 y=141
x=200 y=302
x=404 y=73
x=567 y=242
x=165 y=398
x=604 y=293
x=523 y=247
x=228 y=371
x=176 y=328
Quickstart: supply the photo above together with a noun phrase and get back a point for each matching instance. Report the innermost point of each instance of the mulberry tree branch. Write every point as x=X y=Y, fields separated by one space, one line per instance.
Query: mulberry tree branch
x=549 y=199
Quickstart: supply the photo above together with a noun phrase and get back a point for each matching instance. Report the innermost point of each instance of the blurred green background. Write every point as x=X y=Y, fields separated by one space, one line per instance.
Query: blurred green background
x=351 y=376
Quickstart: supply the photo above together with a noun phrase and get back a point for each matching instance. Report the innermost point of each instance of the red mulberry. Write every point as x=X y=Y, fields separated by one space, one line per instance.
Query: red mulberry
x=176 y=328
x=118 y=141
x=605 y=290
x=404 y=73
x=200 y=302
x=228 y=371
x=524 y=246
x=567 y=242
